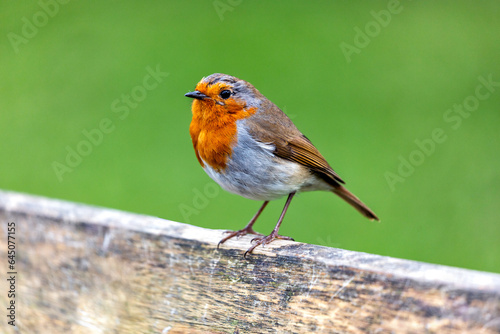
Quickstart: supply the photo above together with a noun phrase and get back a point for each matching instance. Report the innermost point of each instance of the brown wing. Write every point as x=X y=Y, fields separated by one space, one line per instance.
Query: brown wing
x=301 y=150
x=274 y=127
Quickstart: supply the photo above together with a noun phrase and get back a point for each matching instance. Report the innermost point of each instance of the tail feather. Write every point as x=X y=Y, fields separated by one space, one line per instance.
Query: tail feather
x=349 y=197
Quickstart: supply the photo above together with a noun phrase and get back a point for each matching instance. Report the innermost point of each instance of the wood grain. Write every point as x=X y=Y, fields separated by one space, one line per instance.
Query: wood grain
x=84 y=269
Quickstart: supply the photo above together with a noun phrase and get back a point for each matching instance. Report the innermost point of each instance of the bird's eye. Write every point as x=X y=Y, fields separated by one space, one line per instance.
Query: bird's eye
x=225 y=94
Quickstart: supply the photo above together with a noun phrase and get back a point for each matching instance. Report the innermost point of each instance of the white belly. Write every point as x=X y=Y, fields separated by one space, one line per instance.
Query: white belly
x=255 y=173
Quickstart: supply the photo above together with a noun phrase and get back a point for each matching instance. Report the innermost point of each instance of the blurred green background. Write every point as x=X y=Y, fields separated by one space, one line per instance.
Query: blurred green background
x=65 y=68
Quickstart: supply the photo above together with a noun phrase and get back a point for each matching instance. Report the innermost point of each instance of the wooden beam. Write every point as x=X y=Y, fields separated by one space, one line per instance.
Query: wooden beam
x=83 y=269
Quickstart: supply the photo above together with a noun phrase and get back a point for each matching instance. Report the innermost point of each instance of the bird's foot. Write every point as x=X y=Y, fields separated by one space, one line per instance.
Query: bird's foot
x=265 y=240
x=240 y=233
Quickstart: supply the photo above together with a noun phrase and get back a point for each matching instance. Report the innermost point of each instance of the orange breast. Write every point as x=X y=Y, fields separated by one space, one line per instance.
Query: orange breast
x=213 y=130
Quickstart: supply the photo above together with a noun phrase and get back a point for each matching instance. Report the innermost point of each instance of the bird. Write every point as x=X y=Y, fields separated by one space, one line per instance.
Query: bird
x=251 y=148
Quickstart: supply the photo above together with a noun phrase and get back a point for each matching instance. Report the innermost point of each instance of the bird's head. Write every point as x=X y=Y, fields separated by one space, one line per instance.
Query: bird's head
x=221 y=95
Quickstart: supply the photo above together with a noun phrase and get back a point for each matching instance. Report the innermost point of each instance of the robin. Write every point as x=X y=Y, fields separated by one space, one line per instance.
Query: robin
x=246 y=144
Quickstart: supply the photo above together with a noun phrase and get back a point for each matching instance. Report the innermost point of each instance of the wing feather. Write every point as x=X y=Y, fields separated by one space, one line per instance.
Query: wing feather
x=274 y=127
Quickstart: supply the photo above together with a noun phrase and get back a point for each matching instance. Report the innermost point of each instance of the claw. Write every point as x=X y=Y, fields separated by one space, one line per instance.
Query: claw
x=253 y=240
x=237 y=234
x=264 y=241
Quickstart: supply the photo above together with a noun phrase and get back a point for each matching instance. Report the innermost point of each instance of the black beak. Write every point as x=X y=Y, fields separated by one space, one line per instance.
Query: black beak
x=196 y=95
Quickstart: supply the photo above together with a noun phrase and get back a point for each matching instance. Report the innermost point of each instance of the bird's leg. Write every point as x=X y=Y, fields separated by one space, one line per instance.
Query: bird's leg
x=274 y=234
x=247 y=230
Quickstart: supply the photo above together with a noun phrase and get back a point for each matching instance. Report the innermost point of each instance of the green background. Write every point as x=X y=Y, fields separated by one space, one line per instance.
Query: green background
x=363 y=112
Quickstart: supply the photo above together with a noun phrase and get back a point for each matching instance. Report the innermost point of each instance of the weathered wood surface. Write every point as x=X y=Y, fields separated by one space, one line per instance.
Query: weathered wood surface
x=91 y=270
